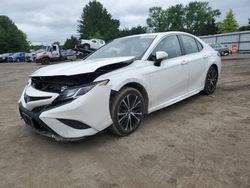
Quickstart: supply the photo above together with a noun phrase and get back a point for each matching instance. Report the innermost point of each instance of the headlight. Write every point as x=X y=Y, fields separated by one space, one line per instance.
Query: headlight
x=75 y=92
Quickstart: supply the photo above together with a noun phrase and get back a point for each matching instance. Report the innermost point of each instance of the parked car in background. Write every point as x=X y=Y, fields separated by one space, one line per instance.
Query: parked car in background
x=71 y=55
x=4 y=57
x=17 y=57
x=222 y=49
x=117 y=85
x=92 y=44
x=28 y=57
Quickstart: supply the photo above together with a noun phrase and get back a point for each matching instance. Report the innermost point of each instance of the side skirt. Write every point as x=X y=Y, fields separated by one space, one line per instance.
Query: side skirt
x=175 y=100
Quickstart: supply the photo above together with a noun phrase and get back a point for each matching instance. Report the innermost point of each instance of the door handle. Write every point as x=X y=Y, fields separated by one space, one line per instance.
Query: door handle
x=184 y=62
x=205 y=56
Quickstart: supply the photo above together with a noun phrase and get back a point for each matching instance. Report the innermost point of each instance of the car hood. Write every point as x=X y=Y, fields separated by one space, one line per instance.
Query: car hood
x=42 y=53
x=79 y=67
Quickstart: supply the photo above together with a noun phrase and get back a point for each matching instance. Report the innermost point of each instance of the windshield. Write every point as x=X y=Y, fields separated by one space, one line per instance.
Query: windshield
x=129 y=46
x=47 y=49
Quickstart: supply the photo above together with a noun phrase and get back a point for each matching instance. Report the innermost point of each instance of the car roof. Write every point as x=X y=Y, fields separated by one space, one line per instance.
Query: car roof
x=158 y=34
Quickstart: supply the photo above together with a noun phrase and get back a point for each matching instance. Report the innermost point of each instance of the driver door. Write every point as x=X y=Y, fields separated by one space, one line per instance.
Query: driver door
x=55 y=51
x=169 y=81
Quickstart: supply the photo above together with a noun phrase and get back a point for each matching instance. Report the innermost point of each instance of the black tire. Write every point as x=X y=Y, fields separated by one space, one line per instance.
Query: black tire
x=45 y=61
x=127 y=111
x=211 y=81
x=86 y=47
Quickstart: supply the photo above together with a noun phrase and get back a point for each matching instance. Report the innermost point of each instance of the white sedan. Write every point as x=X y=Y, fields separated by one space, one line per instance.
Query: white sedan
x=118 y=84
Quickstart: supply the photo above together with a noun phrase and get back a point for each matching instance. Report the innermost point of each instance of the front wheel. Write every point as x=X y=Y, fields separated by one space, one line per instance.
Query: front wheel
x=127 y=111
x=211 y=81
x=45 y=61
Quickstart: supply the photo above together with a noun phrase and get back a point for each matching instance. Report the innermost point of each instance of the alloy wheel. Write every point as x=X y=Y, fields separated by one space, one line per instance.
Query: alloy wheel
x=130 y=112
x=212 y=80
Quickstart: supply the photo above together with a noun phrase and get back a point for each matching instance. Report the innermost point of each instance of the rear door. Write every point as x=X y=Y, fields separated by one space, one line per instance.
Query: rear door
x=195 y=58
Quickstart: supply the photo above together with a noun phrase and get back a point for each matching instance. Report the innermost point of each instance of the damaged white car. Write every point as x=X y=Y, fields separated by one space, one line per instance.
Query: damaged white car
x=118 y=84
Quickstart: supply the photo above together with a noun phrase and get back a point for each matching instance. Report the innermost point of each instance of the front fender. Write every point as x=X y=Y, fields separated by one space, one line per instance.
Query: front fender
x=117 y=85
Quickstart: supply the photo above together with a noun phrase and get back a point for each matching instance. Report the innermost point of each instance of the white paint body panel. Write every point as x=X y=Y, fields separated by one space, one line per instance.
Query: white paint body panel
x=173 y=81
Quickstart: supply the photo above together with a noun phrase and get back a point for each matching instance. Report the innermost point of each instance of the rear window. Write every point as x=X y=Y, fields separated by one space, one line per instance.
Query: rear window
x=189 y=44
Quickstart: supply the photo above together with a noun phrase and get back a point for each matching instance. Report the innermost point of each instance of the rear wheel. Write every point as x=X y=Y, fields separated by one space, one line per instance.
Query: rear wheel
x=127 y=111
x=211 y=81
x=45 y=61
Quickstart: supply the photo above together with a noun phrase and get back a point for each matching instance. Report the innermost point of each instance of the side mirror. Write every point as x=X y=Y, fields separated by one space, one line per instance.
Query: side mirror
x=159 y=56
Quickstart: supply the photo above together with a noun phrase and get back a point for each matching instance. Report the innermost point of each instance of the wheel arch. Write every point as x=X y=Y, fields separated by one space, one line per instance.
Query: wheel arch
x=214 y=65
x=134 y=85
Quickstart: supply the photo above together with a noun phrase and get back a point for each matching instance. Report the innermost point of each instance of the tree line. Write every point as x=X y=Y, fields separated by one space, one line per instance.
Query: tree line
x=11 y=38
x=196 y=17
x=95 y=21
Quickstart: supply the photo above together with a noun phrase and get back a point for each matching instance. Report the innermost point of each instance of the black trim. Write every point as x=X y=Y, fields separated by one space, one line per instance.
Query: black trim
x=37 y=124
x=40 y=127
x=74 y=124
x=197 y=44
x=181 y=45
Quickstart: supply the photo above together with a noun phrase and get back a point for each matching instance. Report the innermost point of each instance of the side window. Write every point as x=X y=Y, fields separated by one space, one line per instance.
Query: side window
x=189 y=44
x=54 y=48
x=170 y=45
x=94 y=41
x=200 y=47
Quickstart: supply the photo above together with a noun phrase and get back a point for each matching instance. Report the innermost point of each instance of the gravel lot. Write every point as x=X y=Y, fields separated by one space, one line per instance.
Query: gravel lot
x=203 y=141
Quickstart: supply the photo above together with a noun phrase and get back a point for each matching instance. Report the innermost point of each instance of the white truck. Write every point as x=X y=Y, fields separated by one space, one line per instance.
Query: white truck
x=92 y=44
x=51 y=53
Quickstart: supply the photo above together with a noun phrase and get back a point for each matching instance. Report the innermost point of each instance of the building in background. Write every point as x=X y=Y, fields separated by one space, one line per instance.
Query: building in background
x=239 y=39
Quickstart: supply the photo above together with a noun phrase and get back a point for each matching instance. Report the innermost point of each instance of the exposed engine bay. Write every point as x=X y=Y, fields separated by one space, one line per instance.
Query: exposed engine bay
x=55 y=84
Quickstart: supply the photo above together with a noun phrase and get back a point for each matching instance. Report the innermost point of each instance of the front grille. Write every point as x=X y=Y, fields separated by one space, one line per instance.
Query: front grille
x=42 y=84
x=55 y=83
x=38 y=109
x=39 y=127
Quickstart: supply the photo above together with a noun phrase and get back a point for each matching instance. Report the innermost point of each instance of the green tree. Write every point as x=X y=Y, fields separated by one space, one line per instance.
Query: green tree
x=246 y=27
x=200 y=18
x=175 y=18
x=229 y=24
x=70 y=43
x=132 y=31
x=196 y=17
x=95 y=20
x=157 y=19
x=11 y=38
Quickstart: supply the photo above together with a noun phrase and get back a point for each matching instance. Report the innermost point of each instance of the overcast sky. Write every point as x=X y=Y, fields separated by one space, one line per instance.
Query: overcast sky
x=46 y=21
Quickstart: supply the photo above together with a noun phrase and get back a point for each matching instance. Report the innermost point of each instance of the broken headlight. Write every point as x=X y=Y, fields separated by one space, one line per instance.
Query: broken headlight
x=75 y=92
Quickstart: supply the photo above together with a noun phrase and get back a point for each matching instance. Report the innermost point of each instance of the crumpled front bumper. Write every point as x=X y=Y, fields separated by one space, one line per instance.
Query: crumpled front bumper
x=91 y=109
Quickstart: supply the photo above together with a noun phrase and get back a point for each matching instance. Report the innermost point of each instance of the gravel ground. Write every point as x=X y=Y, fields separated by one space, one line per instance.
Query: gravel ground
x=203 y=141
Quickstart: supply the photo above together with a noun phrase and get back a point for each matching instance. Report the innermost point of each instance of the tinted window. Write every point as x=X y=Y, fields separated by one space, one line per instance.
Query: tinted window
x=170 y=45
x=189 y=44
x=54 y=48
x=200 y=47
